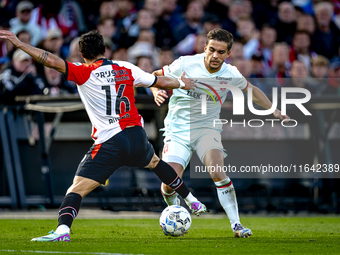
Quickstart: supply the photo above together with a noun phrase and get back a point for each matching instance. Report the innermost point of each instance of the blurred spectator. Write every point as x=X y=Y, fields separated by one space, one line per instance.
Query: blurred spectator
x=125 y=17
x=234 y=13
x=326 y=38
x=166 y=56
x=300 y=49
x=267 y=40
x=306 y=22
x=171 y=12
x=193 y=21
x=192 y=43
x=244 y=66
x=106 y=27
x=145 y=20
x=265 y=12
x=74 y=53
x=108 y=9
x=24 y=36
x=53 y=42
x=164 y=32
x=71 y=20
x=319 y=76
x=319 y=67
x=246 y=30
x=18 y=78
x=299 y=77
x=120 y=54
x=45 y=16
x=251 y=70
x=236 y=52
x=200 y=42
x=334 y=75
x=285 y=25
x=256 y=67
x=144 y=46
x=109 y=48
x=54 y=83
x=23 y=21
x=146 y=64
x=5 y=46
x=280 y=64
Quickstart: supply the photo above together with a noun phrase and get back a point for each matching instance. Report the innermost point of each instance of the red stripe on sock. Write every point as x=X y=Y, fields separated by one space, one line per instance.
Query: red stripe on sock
x=174 y=180
x=224 y=186
x=179 y=185
x=168 y=195
x=65 y=214
x=68 y=207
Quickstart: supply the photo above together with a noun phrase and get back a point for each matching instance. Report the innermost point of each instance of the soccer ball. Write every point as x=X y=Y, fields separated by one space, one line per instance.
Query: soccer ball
x=175 y=220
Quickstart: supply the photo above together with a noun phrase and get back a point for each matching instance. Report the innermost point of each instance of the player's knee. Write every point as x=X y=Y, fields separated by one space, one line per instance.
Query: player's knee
x=154 y=162
x=82 y=186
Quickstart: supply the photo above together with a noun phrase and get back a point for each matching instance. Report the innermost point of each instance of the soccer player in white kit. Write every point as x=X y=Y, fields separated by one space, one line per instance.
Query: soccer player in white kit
x=184 y=135
x=106 y=89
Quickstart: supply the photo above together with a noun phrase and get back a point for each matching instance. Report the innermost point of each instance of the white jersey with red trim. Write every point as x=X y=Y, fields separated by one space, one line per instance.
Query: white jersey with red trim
x=106 y=89
x=185 y=106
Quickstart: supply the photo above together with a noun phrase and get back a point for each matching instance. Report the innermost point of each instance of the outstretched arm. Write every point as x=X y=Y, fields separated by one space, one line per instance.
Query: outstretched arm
x=262 y=100
x=159 y=94
x=41 y=56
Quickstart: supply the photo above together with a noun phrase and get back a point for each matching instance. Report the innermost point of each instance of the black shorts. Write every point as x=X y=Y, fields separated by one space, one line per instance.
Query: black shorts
x=129 y=147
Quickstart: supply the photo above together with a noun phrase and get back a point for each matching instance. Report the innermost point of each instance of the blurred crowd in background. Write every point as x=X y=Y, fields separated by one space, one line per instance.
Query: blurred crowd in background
x=273 y=40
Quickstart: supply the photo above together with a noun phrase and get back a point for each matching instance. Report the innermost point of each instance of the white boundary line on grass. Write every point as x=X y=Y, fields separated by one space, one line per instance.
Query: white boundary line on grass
x=65 y=252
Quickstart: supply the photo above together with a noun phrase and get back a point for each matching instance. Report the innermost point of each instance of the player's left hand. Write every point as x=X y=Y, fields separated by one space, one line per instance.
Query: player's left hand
x=277 y=114
x=8 y=35
x=189 y=83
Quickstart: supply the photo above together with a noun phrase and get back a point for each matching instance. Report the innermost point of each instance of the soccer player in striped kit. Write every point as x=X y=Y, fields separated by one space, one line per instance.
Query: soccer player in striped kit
x=106 y=90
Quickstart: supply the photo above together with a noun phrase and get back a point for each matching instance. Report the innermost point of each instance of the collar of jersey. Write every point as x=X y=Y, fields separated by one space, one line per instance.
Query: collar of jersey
x=98 y=60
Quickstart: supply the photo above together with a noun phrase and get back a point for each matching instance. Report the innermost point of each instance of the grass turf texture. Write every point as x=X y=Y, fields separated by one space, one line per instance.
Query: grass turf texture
x=271 y=235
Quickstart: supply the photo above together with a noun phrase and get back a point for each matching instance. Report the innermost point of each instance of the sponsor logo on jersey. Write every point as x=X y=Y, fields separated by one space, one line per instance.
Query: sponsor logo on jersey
x=197 y=95
x=114 y=120
x=224 y=79
x=113 y=75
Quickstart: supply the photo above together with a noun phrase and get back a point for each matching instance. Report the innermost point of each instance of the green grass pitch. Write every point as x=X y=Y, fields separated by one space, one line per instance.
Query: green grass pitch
x=271 y=235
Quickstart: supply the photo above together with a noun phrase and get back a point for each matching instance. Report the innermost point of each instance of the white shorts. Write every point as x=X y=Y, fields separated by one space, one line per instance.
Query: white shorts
x=179 y=150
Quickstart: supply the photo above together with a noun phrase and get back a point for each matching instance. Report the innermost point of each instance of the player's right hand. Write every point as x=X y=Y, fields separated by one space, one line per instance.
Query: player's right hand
x=8 y=35
x=160 y=97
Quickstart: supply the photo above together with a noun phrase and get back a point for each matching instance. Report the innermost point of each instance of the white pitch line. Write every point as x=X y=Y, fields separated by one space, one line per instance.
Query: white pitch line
x=62 y=252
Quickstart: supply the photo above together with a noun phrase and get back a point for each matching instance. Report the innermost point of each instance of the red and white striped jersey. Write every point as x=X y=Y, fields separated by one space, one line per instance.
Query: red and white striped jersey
x=106 y=89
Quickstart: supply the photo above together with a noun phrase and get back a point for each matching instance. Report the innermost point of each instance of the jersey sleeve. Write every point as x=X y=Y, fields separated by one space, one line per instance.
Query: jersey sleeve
x=77 y=72
x=174 y=70
x=239 y=80
x=142 y=78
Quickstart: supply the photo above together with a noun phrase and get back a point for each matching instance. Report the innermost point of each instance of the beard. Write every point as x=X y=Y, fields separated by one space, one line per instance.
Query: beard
x=214 y=66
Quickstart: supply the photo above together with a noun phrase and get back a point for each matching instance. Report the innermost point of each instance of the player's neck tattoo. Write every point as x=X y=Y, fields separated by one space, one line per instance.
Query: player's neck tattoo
x=43 y=57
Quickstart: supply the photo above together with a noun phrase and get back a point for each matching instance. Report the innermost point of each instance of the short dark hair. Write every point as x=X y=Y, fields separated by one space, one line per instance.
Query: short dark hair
x=91 y=45
x=221 y=35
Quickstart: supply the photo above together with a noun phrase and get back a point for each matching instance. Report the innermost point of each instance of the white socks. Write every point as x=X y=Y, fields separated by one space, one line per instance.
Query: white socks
x=227 y=196
x=170 y=198
x=62 y=229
